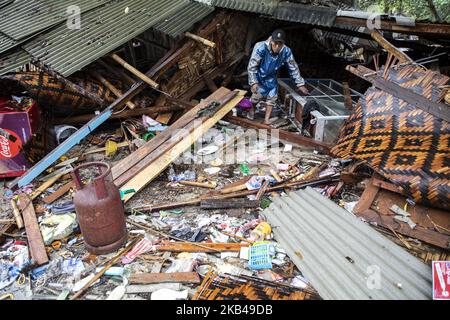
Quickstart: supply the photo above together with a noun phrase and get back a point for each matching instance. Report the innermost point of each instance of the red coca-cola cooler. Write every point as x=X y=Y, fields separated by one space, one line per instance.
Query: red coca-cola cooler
x=19 y=119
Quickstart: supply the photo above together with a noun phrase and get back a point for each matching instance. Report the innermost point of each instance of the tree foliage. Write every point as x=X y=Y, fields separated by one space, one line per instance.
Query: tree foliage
x=419 y=9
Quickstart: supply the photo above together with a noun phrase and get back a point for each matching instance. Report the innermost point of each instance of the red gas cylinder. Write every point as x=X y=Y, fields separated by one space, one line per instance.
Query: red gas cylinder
x=100 y=210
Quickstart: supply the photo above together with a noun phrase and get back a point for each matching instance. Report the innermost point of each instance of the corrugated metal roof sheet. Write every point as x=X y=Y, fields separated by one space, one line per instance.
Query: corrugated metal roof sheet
x=256 y=6
x=318 y=236
x=184 y=19
x=307 y=14
x=26 y=17
x=5 y=2
x=6 y=43
x=13 y=61
x=103 y=29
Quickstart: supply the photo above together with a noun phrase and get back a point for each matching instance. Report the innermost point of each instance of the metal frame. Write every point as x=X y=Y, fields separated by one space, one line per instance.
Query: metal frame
x=328 y=89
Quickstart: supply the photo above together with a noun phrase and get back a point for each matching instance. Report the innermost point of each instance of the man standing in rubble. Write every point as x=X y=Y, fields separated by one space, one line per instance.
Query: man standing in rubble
x=266 y=60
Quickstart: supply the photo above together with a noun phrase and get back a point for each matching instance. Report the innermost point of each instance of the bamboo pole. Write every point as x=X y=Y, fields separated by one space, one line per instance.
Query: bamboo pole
x=113 y=89
x=134 y=71
x=206 y=42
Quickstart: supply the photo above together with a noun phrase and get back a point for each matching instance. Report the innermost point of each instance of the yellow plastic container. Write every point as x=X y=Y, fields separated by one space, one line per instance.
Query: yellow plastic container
x=111 y=148
x=261 y=231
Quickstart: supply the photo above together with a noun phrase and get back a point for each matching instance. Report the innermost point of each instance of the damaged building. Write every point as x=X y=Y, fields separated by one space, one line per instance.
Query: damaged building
x=137 y=163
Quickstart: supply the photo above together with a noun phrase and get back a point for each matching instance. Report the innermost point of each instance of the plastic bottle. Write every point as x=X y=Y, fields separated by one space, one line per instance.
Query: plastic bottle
x=260 y=232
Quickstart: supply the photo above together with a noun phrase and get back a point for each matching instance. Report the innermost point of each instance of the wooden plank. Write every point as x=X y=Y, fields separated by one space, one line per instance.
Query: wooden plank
x=367 y=197
x=401 y=56
x=176 y=277
x=59 y=193
x=426 y=235
x=153 y=144
x=35 y=241
x=147 y=175
x=229 y=204
x=206 y=247
x=386 y=185
x=47 y=184
x=208 y=185
x=284 y=135
x=235 y=186
x=439 y=110
x=175 y=138
x=17 y=215
x=263 y=190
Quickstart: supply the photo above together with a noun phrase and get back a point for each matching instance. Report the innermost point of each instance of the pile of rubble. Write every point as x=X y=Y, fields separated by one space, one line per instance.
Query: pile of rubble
x=208 y=205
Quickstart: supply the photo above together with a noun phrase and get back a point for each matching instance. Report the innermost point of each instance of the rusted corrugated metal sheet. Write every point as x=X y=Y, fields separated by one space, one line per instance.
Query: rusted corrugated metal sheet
x=103 y=30
x=23 y=18
x=341 y=256
x=184 y=19
x=6 y=43
x=13 y=61
x=307 y=14
x=256 y=6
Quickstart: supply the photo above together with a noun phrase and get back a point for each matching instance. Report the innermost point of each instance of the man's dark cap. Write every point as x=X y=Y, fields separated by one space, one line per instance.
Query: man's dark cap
x=279 y=35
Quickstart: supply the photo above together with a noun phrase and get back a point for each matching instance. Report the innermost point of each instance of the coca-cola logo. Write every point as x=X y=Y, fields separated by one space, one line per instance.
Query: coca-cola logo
x=8 y=148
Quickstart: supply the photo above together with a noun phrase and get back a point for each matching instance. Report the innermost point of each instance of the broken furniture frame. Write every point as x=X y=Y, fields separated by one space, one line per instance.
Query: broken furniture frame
x=329 y=94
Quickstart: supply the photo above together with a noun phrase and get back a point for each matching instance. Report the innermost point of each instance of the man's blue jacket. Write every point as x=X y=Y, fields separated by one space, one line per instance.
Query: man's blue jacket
x=264 y=66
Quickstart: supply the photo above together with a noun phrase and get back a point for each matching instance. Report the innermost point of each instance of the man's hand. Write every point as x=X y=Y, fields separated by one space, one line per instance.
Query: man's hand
x=255 y=88
x=303 y=90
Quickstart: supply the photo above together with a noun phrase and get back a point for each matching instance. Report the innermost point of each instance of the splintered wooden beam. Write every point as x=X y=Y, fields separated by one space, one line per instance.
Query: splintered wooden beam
x=59 y=193
x=35 y=241
x=134 y=71
x=175 y=277
x=206 y=247
x=389 y=47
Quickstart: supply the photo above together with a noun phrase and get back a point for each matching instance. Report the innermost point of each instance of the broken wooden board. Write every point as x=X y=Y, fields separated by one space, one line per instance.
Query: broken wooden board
x=147 y=175
x=59 y=193
x=176 y=134
x=235 y=186
x=6 y=228
x=281 y=134
x=244 y=203
x=35 y=241
x=176 y=277
x=205 y=247
x=376 y=201
x=136 y=157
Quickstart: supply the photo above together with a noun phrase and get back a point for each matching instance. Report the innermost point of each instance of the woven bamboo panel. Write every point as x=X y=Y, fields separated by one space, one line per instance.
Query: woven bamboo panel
x=403 y=143
x=216 y=287
x=51 y=93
